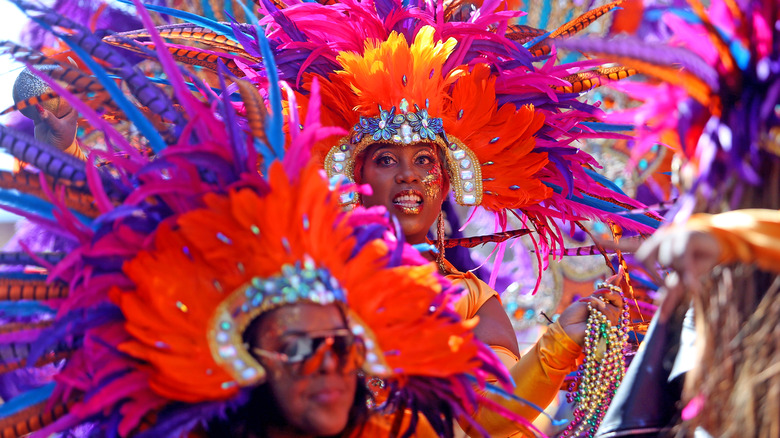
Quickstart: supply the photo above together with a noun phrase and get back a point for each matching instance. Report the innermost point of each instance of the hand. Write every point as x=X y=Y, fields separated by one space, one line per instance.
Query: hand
x=690 y=253
x=58 y=132
x=574 y=320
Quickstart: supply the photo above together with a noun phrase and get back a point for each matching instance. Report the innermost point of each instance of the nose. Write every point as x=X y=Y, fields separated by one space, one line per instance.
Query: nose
x=330 y=362
x=406 y=173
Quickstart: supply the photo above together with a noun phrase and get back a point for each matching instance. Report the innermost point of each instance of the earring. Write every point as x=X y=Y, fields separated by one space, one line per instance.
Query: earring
x=440 y=241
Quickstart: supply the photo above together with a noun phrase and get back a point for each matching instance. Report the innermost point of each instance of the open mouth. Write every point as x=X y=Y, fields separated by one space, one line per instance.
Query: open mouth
x=408 y=201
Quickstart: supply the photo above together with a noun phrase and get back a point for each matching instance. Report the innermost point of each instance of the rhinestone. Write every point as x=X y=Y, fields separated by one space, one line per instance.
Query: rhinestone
x=371 y=357
x=181 y=306
x=225 y=325
x=347 y=198
x=465 y=164
x=404 y=106
x=358 y=330
x=466 y=174
x=397 y=138
x=344 y=147
x=469 y=199
x=228 y=385
x=339 y=156
x=239 y=364
x=226 y=351
x=378 y=369
x=514 y=187
x=223 y=238
x=416 y=137
x=222 y=337
x=468 y=186
x=338 y=167
x=459 y=154
x=249 y=373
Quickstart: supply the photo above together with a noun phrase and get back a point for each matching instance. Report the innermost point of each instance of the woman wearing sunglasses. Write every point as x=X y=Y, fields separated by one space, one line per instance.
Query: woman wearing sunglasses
x=212 y=300
x=432 y=106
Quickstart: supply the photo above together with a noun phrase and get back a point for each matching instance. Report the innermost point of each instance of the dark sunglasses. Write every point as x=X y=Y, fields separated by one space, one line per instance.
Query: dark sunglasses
x=303 y=354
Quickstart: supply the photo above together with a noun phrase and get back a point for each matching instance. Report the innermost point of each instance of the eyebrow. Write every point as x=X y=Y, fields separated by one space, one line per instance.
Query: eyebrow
x=305 y=333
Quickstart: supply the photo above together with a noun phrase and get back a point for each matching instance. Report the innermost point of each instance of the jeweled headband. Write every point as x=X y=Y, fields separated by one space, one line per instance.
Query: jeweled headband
x=407 y=128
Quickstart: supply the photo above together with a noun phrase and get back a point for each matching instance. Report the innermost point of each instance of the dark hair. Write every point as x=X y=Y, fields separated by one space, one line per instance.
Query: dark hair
x=252 y=418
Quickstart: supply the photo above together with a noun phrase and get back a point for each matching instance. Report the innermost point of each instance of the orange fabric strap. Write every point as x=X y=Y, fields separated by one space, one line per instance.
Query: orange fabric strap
x=748 y=236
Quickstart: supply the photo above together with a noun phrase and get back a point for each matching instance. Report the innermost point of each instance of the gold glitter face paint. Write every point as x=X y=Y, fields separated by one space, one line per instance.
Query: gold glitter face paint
x=410 y=210
x=433 y=182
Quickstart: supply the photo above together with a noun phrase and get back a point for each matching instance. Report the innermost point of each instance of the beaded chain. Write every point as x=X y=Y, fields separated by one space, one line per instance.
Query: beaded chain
x=598 y=378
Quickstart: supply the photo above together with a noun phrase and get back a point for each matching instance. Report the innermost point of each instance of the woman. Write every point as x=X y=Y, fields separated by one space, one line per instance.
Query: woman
x=432 y=105
x=420 y=125
x=204 y=290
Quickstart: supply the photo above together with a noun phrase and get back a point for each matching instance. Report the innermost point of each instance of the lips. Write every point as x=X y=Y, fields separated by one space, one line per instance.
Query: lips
x=408 y=201
x=328 y=395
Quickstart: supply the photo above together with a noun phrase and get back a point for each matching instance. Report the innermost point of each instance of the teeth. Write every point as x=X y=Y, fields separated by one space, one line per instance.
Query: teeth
x=407 y=199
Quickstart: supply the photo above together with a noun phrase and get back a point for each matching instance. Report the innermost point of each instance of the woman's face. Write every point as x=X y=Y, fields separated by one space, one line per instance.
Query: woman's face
x=314 y=396
x=410 y=181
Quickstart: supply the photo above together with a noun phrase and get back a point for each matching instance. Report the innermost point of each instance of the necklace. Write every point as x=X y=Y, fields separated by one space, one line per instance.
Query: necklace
x=598 y=378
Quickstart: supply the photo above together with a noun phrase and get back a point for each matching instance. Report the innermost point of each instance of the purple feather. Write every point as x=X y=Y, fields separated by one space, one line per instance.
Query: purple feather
x=636 y=48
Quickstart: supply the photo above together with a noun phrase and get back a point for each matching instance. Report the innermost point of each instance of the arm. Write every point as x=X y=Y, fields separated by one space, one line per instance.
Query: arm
x=494 y=327
x=696 y=246
x=538 y=376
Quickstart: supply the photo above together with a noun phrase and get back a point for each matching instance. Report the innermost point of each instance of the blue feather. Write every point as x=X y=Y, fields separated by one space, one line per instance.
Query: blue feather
x=11 y=309
x=508 y=395
x=601 y=179
x=26 y=399
x=190 y=18
x=608 y=207
x=536 y=40
x=273 y=127
x=607 y=127
x=19 y=275
x=207 y=11
x=18 y=201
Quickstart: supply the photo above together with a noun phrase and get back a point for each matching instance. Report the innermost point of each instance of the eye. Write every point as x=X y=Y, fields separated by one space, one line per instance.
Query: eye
x=424 y=159
x=384 y=160
x=294 y=347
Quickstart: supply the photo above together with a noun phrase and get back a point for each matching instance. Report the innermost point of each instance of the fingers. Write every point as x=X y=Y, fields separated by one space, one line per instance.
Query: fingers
x=609 y=303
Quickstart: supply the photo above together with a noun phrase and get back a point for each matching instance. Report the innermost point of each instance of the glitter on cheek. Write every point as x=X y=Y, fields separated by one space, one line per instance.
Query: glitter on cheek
x=432 y=183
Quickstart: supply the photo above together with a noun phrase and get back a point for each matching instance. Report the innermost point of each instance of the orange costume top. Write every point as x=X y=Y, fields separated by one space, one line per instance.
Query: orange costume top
x=538 y=375
x=748 y=236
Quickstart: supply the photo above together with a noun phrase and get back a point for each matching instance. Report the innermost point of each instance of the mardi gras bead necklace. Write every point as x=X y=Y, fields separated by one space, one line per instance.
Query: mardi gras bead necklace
x=599 y=376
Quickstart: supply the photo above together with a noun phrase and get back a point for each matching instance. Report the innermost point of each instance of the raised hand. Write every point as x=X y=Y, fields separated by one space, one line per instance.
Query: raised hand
x=607 y=300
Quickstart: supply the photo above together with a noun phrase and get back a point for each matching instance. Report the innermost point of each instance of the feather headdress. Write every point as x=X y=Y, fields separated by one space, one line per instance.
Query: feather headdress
x=407 y=72
x=716 y=103
x=186 y=247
